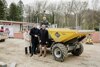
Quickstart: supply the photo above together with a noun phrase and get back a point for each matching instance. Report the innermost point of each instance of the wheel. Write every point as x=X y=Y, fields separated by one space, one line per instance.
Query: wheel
x=2 y=40
x=78 y=51
x=59 y=52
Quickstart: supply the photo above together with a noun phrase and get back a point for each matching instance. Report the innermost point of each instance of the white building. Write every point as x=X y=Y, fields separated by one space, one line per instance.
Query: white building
x=16 y=26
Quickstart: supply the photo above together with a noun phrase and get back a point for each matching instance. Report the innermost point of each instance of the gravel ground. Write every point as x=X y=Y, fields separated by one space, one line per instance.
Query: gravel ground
x=13 y=51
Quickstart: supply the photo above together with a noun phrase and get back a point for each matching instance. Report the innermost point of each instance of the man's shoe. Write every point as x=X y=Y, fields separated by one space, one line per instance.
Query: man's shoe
x=31 y=55
x=35 y=53
x=40 y=55
x=44 y=56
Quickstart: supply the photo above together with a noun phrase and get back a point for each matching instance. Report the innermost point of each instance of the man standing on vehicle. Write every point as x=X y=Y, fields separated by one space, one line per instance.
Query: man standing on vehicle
x=34 y=32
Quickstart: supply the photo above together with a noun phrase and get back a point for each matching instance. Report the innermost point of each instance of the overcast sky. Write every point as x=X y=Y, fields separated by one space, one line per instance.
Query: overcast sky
x=30 y=1
x=16 y=1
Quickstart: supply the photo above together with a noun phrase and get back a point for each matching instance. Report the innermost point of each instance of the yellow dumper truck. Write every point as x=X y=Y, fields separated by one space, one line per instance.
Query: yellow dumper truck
x=65 y=41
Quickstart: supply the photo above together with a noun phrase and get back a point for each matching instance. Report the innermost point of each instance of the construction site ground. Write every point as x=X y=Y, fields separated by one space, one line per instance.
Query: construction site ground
x=12 y=51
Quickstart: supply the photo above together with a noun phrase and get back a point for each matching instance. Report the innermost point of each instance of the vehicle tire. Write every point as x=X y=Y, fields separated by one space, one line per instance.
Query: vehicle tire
x=2 y=40
x=78 y=51
x=59 y=52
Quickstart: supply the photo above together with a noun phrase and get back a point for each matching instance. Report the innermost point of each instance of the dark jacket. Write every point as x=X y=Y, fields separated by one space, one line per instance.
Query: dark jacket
x=43 y=36
x=33 y=32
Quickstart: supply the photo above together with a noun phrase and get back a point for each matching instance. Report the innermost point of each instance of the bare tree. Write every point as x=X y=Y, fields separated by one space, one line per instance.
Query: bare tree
x=95 y=7
x=36 y=10
x=28 y=11
x=67 y=9
x=64 y=13
x=79 y=10
x=51 y=8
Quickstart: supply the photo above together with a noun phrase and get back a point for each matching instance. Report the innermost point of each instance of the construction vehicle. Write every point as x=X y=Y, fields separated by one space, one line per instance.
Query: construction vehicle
x=3 y=34
x=3 y=37
x=66 y=41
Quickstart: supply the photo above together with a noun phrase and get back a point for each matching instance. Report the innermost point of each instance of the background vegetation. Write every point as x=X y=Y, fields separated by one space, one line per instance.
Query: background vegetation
x=69 y=14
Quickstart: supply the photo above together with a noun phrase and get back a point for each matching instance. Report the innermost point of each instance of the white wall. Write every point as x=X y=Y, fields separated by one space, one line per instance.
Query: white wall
x=15 y=27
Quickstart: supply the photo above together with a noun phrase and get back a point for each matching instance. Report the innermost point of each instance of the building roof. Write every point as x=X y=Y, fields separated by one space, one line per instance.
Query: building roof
x=15 y=22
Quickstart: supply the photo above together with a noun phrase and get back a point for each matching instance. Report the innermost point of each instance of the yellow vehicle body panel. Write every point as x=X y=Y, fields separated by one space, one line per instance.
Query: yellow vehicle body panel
x=64 y=34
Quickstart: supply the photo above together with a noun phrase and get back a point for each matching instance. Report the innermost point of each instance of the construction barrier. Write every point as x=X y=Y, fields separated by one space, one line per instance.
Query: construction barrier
x=96 y=37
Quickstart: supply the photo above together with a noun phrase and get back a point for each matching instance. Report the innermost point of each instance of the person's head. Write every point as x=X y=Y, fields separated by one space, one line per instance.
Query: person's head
x=43 y=26
x=2 y=27
x=7 y=29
